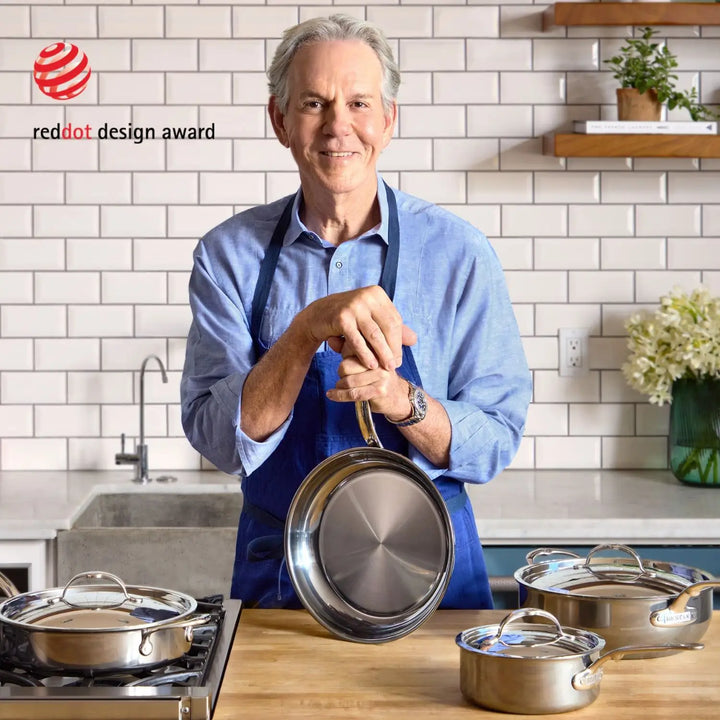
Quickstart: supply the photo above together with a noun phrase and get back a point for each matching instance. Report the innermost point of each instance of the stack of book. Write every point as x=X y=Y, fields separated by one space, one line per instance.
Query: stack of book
x=631 y=127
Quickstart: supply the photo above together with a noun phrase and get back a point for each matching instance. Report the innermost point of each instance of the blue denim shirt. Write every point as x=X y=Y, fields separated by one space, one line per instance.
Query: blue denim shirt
x=450 y=290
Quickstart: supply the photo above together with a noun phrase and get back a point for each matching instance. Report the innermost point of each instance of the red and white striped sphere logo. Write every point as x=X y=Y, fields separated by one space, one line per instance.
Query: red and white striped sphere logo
x=61 y=71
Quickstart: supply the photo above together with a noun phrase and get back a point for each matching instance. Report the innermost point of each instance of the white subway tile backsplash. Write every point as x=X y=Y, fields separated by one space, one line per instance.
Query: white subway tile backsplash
x=537 y=220
x=16 y=154
x=28 y=388
x=493 y=121
x=466 y=22
x=668 y=220
x=689 y=253
x=65 y=287
x=60 y=22
x=15 y=220
x=594 y=220
x=499 y=54
x=162 y=321
x=564 y=54
x=649 y=285
x=127 y=21
x=549 y=317
x=500 y=187
x=134 y=287
x=547 y=419
x=431 y=54
x=100 y=321
x=30 y=253
x=638 y=452
x=121 y=221
x=174 y=254
x=34 y=453
x=64 y=420
x=403 y=21
x=440 y=121
x=567 y=253
x=203 y=88
x=568 y=452
x=212 y=21
x=16 y=421
x=608 y=419
x=636 y=187
x=194 y=221
x=634 y=254
x=102 y=387
x=67 y=354
x=537 y=286
x=16 y=354
x=97 y=236
x=600 y=286
x=575 y=187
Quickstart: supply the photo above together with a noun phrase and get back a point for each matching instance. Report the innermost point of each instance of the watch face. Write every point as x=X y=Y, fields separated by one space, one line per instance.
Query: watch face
x=420 y=402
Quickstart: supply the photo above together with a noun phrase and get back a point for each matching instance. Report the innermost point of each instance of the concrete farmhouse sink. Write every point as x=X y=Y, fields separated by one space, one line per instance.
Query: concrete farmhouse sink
x=179 y=541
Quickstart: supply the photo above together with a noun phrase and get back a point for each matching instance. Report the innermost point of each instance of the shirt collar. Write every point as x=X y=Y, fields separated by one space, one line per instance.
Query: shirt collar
x=297 y=227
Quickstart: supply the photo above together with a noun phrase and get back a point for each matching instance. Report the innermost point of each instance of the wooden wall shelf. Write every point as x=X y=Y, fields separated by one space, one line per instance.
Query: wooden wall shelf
x=581 y=145
x=631 y=13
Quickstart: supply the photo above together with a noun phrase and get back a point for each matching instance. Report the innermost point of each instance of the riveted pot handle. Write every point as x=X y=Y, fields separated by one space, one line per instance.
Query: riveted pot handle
x=676 y=613
x=546 y=552
x=591 y=675
x=367 y=426
x=146 y=646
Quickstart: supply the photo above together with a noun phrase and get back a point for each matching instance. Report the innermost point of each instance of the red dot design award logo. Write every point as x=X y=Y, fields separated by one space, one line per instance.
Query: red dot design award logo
x=61 y=71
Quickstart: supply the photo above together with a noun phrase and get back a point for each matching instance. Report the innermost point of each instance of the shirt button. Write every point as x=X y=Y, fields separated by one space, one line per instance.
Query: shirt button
x=338 y=264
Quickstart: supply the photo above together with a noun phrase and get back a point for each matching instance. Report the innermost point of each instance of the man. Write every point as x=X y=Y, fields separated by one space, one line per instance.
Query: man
x=348 y=290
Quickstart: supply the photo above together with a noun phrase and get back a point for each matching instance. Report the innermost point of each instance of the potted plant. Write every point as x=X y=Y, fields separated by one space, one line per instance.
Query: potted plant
x=647 y=81
x=675 y=358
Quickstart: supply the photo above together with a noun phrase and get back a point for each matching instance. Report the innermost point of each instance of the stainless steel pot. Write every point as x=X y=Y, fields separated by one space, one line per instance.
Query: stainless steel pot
x=369 y=544
x=627 y=600
x=531 y=668
x=83 y=629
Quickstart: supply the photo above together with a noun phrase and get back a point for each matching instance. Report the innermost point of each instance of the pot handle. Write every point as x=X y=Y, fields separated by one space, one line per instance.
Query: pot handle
x=545 y=552
x=7 y=587
x=367 y=426
x=146 y=646
x=592 y=674
x=676 y=614
x=519 y=614
x=95 y=575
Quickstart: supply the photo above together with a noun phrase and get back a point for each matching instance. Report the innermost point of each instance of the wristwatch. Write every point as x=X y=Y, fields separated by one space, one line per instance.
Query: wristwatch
x=418 y=403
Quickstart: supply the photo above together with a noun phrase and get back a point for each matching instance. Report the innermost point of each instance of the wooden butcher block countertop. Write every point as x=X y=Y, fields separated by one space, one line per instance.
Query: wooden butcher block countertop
x=285 y=665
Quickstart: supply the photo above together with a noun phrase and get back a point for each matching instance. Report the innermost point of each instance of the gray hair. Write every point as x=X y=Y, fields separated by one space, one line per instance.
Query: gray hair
x=335 y=27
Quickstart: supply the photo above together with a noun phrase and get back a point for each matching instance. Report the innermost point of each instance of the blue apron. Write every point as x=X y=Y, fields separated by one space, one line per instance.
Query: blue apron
x=320 y=428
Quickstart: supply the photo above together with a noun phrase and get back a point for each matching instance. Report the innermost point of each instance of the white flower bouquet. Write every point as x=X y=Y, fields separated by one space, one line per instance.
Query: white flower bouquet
x=680 y=340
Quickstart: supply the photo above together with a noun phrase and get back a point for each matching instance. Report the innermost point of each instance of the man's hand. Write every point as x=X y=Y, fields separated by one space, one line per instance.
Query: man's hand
x=363 y=323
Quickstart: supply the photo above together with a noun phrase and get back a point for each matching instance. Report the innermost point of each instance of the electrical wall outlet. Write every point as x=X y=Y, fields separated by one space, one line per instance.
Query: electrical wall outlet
x=573 y=351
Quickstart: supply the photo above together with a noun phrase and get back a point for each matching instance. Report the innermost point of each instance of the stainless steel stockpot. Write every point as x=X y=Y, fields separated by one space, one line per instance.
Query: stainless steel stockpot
x=536 y=668
x=96 y=627
x=627 y=600
x=368 y=540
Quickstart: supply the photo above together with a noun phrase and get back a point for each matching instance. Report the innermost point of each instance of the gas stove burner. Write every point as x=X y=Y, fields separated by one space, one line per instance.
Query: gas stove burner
x=189 y=685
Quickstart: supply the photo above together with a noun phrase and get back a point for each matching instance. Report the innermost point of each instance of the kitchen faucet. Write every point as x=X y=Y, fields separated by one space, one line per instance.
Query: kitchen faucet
x=140 y=457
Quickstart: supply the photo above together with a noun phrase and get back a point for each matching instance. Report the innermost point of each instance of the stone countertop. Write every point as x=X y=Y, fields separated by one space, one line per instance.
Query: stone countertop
x=518 y=507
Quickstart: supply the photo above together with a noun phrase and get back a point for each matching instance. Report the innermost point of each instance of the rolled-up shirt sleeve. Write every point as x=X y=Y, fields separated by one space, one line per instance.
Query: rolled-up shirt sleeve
x=218 y=358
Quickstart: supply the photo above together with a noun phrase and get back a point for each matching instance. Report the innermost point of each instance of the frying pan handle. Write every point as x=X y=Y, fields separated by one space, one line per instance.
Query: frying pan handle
x=676 y=613
x=367 y=426
x=146 y=646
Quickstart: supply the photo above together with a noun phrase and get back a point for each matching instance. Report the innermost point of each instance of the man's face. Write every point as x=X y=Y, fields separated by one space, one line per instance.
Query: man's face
x=335 y=124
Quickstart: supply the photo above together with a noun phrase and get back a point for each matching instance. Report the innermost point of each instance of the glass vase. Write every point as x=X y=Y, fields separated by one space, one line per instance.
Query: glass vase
x=695 y=431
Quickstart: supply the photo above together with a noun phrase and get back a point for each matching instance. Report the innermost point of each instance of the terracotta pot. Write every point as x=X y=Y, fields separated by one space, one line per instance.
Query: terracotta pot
x=633 y=105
